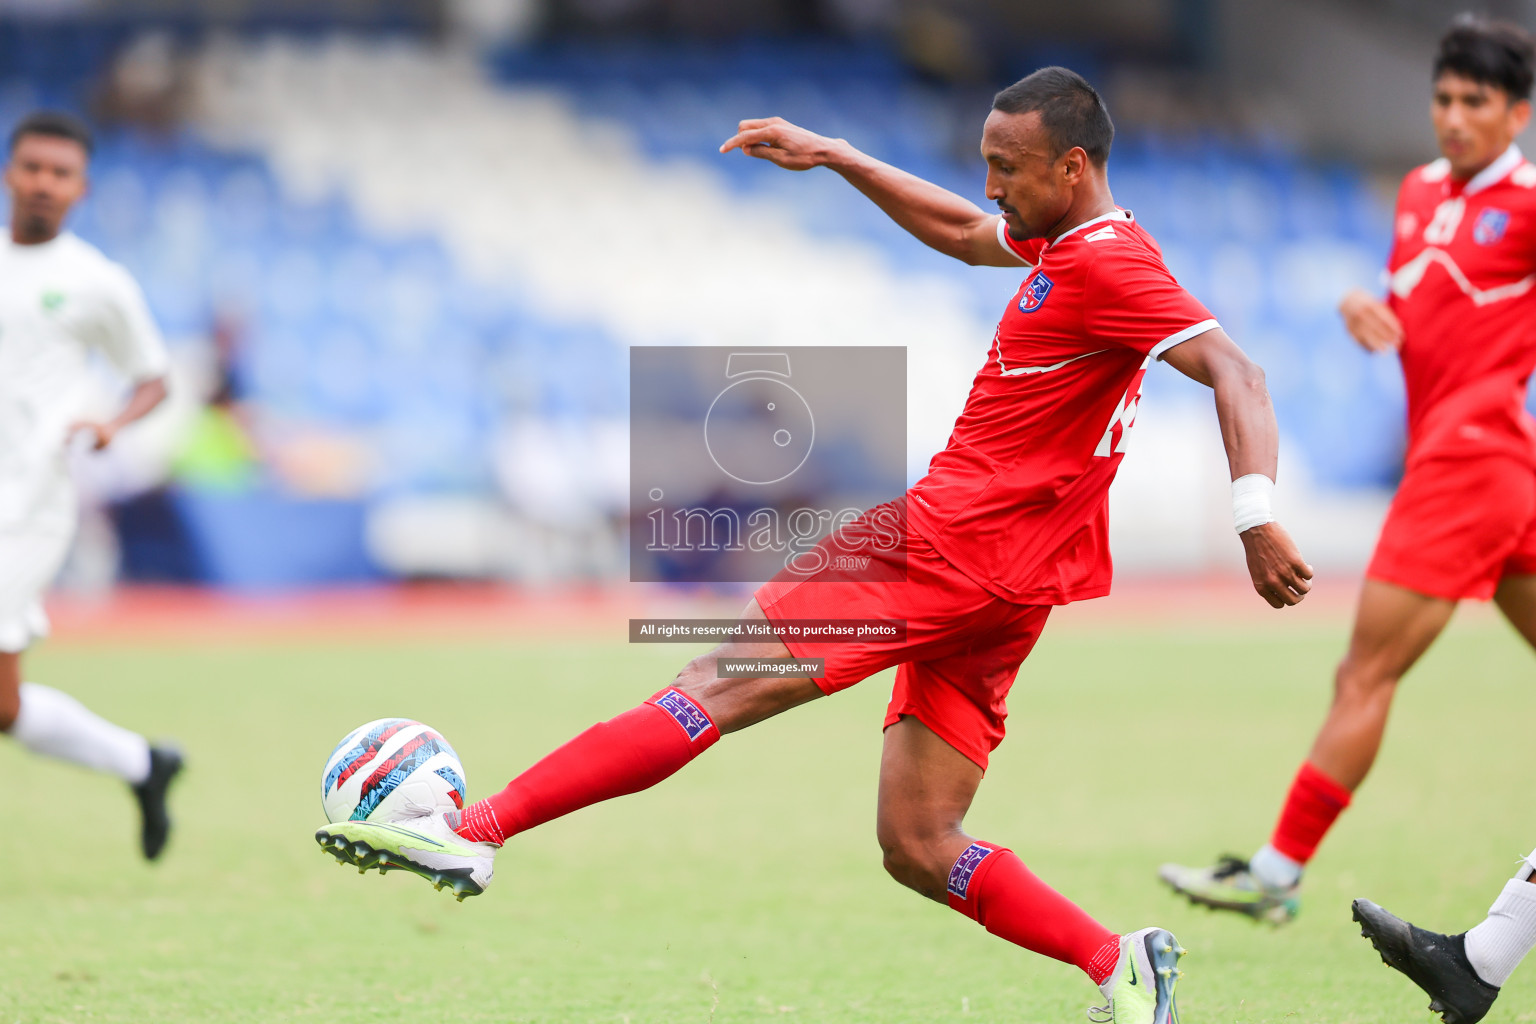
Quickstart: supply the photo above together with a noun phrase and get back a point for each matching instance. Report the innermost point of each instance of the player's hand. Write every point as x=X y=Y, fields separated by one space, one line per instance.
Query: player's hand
x=1370 y=321
x=777 y=141
x=1275 y=565
x=98 y=435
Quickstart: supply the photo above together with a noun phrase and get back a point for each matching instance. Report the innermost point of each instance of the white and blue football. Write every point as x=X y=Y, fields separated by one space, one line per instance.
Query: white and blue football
x=391 y=769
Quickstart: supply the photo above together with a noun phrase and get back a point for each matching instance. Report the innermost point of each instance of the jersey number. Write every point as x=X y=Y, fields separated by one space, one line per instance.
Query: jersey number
x=1447 y=219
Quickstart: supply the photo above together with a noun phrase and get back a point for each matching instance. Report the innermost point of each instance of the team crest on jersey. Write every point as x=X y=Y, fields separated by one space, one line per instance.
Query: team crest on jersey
x=1490 y=226
x=1032 y=297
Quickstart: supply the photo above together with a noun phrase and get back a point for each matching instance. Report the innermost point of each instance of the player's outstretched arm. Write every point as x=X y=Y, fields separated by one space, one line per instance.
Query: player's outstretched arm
x=1252 y=439
x=146 y=395
x=937 y=217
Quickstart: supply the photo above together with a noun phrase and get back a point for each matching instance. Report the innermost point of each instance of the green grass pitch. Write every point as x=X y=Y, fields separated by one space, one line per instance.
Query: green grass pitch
x=749 y=886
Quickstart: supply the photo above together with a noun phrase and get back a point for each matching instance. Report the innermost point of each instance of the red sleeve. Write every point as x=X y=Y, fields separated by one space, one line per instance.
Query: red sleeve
x=1132 y=300
x=1028 y=250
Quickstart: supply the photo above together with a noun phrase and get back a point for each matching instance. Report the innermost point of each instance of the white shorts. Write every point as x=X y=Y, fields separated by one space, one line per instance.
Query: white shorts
x=29 y=560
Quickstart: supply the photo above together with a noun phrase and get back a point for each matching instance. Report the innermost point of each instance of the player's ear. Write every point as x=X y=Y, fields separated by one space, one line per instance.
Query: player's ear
x=1519 y=116
x=1074 y=164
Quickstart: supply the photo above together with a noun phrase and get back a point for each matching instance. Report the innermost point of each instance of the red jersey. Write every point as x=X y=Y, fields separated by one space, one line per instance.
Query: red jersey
x=1018 y=499
x=1463 y=282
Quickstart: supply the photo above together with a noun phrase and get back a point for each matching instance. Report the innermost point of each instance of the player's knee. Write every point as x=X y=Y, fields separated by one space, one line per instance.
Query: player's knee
x=10 y=707
x=912 y=858
x=1359 y=679
x=902 y=861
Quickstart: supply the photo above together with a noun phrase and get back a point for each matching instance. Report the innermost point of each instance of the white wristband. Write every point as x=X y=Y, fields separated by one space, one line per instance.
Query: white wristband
x=1251 y=501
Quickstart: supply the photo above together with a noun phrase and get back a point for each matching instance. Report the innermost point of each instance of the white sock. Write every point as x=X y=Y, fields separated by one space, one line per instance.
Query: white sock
x=56 y=724
x=1527 y=868
x=1497 y=946
x=1274 y=869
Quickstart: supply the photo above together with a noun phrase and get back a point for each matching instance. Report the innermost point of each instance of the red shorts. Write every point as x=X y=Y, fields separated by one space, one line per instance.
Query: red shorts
x=1458 y=526
x=962 y=650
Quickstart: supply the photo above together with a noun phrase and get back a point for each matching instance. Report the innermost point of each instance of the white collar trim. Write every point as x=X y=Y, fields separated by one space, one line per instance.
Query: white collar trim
x=1115 y=214
x=1496 y=171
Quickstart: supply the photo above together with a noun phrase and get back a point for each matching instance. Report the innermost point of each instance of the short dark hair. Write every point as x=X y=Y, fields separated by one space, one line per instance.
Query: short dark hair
x=1071 y=111
x=55 y=124
x=1496 y=53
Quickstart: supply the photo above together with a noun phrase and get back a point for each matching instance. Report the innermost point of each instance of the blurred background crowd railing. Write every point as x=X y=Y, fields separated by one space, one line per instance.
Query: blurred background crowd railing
x=400 y=250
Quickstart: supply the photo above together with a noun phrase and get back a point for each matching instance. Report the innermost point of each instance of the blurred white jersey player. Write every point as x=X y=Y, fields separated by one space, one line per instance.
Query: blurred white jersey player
x=61 y=303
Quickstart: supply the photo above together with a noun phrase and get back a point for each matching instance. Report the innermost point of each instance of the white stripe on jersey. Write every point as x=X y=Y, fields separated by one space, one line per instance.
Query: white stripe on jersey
x=1407 y=277
x=1040 y=369
x=1179 y=338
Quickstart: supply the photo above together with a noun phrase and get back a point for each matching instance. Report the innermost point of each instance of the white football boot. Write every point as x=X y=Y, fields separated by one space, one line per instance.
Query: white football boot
x=423 y=845
x=1140 y=988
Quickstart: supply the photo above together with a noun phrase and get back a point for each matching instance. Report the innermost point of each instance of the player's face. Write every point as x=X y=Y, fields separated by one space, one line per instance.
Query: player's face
x=45 y=176
x=1474 y=122
x=1031 y=184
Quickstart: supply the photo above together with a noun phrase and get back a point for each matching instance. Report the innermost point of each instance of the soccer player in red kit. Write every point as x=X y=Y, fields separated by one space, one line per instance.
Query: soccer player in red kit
x=1461 y=314
x=1009 y=522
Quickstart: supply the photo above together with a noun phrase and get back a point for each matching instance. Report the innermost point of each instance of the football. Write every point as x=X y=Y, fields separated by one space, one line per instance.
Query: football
x=390 y=769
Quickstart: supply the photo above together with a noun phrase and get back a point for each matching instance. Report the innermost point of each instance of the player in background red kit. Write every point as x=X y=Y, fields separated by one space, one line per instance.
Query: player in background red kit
x=1010 y=521
x=1461 y=314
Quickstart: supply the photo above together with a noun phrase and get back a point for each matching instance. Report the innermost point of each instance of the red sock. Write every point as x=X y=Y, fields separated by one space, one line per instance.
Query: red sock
x=1311 y=808
x=992 y=887
x=626 y=754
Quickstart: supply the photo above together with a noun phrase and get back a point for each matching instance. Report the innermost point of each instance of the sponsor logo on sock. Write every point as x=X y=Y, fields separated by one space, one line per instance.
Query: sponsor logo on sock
x=965 y=866
x=686 y=713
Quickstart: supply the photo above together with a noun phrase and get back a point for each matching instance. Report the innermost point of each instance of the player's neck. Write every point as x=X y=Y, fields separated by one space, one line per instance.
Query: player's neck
x=1093 y=203
x=40 y=236
x=1462 y=175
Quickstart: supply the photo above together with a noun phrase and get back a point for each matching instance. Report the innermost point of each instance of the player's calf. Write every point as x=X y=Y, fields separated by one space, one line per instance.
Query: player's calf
x=734 y=703
x=1346 y=745
x=10 y=689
